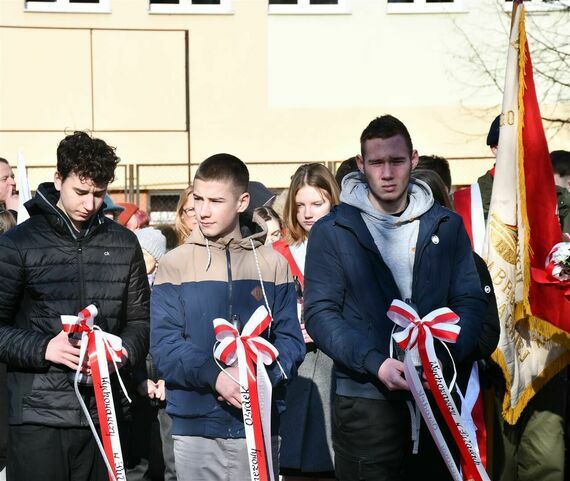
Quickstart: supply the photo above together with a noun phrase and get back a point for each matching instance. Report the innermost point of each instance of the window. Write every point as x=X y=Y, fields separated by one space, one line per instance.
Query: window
x=163 y=208
x=309 y=6
x=191 y=6
x=69 y=6
x=426 y=6
x=540 y=5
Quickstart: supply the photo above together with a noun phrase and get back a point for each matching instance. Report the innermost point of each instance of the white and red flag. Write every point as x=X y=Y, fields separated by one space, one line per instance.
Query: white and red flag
x=522 y=228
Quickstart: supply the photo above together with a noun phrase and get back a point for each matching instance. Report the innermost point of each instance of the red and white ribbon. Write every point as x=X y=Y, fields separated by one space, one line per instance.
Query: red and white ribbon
x=100 y=348
x=555 y=271
x=441 y=324
x=251 y=352
x=472 y=412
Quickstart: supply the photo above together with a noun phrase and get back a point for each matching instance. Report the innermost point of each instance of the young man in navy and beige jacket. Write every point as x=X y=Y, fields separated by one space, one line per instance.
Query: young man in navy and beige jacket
x=224 y=271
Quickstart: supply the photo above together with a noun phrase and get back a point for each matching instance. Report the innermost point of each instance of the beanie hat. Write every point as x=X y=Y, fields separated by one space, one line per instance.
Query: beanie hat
x=130 y=209
x=111 y=207
x=259 y=196
x=152 y=241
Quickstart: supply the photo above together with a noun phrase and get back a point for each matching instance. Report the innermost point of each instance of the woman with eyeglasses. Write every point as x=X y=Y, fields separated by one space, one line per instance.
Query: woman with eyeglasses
x=185 y=215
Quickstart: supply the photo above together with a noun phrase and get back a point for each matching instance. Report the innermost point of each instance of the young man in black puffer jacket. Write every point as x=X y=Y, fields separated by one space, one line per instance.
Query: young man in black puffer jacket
x=65 y=257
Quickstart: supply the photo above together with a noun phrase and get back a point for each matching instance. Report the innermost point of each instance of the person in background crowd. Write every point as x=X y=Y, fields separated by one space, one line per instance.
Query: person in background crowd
x=185 y=221
x=65 y=256
x=153 y=244
x=439 y=165
x=8 y=196
x=169 y=231
x=132 y=217
x=279 y=202
x=346 y=167
x=561 y=166
x=386 y=240
x=144 y=440
x=110 y=209
x=259 y=196
x=306 y=446
x=224 y=271
x=273 y=222
x=7 y=221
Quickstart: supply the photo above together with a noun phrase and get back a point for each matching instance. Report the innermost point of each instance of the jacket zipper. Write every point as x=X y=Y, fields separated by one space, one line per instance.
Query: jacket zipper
x=229 y=268
x=81 y=277
x=419 y=254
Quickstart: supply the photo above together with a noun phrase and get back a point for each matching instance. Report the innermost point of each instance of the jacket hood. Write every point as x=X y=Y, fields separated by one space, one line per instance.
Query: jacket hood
x=252 y=228
x=355 y=192
x=45 y=203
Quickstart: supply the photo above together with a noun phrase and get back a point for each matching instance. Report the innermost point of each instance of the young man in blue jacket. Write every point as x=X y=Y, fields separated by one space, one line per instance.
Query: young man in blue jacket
x=224 y=271
x=386 y=240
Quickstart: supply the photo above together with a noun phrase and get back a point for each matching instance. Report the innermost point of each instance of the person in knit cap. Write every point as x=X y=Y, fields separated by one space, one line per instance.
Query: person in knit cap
x=153 y=244
x=149 y=405
x=110 y=209
x=132 y=217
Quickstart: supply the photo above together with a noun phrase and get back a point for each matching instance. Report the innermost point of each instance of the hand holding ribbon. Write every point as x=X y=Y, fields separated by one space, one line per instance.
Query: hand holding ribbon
x=251 y=353
x=441 y=324
x=97 y=350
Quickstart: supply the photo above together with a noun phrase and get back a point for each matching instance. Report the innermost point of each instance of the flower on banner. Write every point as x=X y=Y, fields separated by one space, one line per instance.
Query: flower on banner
x=556 y=268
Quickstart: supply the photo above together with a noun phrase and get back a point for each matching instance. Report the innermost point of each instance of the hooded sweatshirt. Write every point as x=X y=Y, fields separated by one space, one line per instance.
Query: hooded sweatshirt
x=394 y=236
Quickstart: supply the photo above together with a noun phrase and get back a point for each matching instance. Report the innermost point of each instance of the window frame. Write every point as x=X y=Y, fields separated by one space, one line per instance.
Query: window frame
x=304 y=7
x=64 y=6
x=186 y=7
x=421 y=6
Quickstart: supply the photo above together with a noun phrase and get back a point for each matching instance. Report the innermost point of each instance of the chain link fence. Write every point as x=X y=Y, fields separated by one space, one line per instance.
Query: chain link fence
x=156 y=188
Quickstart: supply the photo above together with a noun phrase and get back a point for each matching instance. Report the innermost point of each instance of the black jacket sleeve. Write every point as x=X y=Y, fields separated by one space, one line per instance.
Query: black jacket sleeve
x=136 y=308
x=19 y=348
x=490 y=330
x=466 y=297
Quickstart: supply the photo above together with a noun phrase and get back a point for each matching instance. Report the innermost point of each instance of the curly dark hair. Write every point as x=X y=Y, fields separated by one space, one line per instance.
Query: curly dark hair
x=87 y=157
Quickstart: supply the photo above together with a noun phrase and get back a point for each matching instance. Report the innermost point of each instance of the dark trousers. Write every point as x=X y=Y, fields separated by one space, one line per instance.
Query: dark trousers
x=372 y=441
x=167 y=445
x=53 y=454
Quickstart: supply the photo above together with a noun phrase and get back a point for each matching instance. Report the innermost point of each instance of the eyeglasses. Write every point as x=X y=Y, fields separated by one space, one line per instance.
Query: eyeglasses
x=190 y=211
x=6 y=177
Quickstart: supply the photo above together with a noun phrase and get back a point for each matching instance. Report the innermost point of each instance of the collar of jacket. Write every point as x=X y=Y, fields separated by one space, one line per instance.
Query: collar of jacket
x=351 y=218
x=44 y=203
x=252 y=228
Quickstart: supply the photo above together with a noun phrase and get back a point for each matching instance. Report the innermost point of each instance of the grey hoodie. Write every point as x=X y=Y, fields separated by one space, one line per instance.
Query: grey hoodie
x=395 y=236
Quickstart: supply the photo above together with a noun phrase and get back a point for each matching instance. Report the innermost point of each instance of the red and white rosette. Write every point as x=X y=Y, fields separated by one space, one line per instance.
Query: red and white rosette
x=99 y=348
x=441 y=324
x=556 y=268
x=251 y=353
